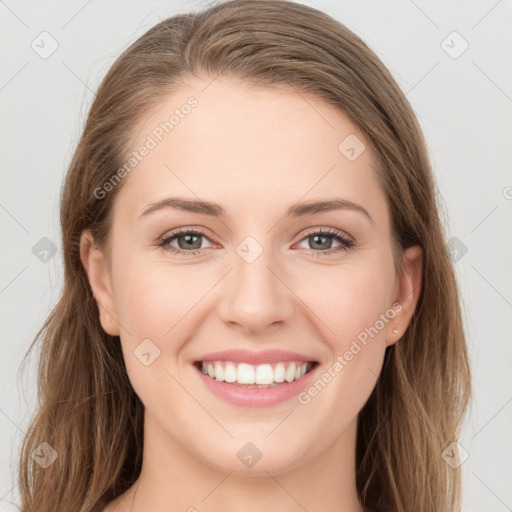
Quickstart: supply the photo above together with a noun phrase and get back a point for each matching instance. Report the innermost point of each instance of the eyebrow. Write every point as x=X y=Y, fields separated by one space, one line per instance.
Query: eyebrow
x=300 y=209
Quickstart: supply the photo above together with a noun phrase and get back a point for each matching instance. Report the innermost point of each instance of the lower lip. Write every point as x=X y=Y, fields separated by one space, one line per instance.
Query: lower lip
x=256 y=397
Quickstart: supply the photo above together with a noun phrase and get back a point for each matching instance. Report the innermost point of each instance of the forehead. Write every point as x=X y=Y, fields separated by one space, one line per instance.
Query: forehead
x=249 y=145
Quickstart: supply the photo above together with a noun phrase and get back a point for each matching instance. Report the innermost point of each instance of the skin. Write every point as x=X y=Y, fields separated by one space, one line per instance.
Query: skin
x=255 y=151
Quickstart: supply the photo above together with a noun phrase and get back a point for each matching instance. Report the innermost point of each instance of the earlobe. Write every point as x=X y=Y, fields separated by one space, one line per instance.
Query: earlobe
x=408 y=293
x=96 y=267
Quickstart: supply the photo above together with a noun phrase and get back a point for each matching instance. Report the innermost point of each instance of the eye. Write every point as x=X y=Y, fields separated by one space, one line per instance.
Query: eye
x=321 y=240
x=189 y=241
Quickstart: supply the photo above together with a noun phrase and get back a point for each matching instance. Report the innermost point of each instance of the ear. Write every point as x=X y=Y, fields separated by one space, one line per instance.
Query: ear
x=407 y=295
x=96 y=266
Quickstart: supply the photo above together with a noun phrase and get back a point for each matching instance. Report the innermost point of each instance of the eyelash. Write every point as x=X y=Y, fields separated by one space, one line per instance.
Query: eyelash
x=346 y=243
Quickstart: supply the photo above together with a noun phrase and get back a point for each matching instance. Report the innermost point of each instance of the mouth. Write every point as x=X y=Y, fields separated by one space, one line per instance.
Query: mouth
x=260 y=376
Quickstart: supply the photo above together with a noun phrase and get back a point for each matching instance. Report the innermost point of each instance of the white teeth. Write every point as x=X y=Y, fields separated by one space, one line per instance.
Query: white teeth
x=245 y=374
x=263 y=374
x=230 y=373
x=279 y=372
x=219 y=371
x=290 y=373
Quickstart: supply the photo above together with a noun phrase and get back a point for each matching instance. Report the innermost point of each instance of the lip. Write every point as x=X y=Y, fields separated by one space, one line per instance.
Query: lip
x=257 y=397
x=255 y=358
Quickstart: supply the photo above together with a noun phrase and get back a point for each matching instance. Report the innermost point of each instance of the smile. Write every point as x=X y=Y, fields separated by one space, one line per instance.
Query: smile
x=255 y=385
x=248 y=374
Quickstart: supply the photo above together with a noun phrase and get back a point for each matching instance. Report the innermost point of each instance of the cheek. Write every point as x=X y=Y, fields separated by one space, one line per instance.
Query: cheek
x=353 y=312
x=152 y=297
x=353 y=305
x=160 y=302
x=348 y=298
x=154 y=302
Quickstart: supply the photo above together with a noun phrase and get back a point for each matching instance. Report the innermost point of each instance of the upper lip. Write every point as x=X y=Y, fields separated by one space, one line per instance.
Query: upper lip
x=262 y=357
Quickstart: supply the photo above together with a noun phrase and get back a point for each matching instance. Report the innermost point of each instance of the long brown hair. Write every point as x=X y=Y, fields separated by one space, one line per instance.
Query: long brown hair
x=87 y=410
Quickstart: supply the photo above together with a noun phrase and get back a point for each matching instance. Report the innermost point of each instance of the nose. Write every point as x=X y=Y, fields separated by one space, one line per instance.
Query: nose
x=255 y=297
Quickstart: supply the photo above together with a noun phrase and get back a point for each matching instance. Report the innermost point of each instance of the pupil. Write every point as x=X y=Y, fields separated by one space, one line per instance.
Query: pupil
x=188 y=239
x=326 y=245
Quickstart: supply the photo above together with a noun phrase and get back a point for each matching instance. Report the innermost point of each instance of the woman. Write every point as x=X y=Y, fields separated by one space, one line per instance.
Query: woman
x=259 y=310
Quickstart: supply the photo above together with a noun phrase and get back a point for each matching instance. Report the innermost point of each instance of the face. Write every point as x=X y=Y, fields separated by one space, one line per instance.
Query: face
x=257 y=274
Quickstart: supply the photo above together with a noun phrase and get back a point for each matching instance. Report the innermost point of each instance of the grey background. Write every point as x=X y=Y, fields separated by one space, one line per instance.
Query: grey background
x=463 y=104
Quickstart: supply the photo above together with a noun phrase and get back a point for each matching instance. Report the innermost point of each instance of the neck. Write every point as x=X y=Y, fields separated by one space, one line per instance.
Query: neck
x=172 y=479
